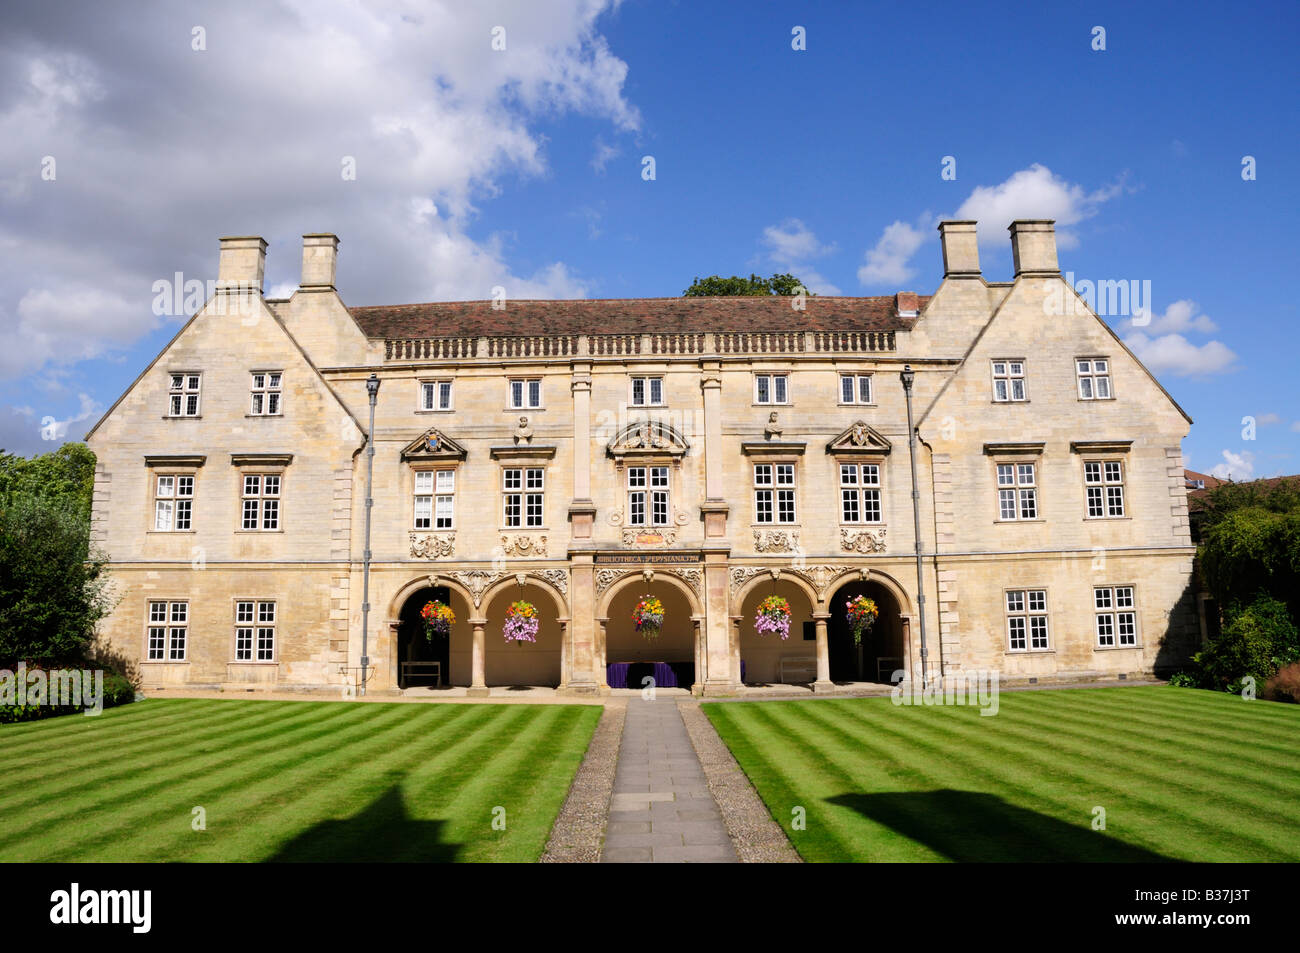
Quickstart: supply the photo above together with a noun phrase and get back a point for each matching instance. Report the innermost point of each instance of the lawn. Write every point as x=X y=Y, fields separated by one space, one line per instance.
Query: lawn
x=1181 y=774
x=289 y=781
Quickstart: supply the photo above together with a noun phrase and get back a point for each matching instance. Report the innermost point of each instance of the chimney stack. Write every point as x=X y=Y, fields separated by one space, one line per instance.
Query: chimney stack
x=961 y=254
x=320 y=256
x=242 y=264
x=1033 y=247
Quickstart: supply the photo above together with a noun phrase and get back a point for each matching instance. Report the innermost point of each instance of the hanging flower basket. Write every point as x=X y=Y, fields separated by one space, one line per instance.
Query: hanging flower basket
x=648 y=616
x=521 y=622
x=862 y=614
x=438 y=619
x=773 y=616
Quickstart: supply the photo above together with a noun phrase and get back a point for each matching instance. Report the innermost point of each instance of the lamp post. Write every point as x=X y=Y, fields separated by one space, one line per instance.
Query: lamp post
x=372 y=388
x=907 y=377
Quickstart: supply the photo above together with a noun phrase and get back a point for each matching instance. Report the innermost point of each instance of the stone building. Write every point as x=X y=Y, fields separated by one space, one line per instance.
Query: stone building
x=582 y=454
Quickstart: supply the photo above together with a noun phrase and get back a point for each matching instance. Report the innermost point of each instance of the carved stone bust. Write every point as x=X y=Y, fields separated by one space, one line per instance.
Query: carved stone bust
x=523 y=433
x=774 y=429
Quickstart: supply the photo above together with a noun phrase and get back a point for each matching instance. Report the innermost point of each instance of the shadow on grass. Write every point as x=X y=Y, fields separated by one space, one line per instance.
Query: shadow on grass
x=382 y=832
x=973 y=827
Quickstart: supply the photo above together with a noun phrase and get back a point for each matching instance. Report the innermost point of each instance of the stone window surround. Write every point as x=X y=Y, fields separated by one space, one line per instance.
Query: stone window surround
x=420 y=383
x=1023 y=377
x=260 y=464
x=1114 y=611
x=1007 y=614
x=1014 y=454
x=772 y=375
x=857 y=460
x=254 y=625
x=170 y=465
x=408 y=487
x=167 y=626
x=842 y=373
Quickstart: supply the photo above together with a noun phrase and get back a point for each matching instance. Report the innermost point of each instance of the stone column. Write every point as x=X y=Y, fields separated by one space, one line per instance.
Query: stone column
x=701 y=657
x=584 y=675
x=823 y=683
x=721 y=662
x=478 y=679
x=564 y=654
x=714 y=509
x=582 y=511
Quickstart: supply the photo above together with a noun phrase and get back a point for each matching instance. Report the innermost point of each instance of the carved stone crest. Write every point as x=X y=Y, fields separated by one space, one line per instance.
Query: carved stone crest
x=433 y=545
x=649 y=536
x=523 y=545
x=863 y=540
x=776 y=540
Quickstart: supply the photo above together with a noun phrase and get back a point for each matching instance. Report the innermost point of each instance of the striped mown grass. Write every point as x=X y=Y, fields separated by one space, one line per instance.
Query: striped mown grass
x=289 y=781
x=1181 y=775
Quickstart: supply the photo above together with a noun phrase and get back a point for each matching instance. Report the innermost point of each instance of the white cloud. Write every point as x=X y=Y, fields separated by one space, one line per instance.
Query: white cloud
x=1235 y=466
x=791 y=247
x=1034 y=193
x=1267 y=420
x=604 y=152
x=1182 y=315
x=28 y=430
x=1295 y=427
x=160 y=149
x=1175 y=354
x=887 y=262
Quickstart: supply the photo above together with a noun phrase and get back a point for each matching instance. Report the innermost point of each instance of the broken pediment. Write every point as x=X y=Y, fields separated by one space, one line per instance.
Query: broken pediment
x=648 y=438
x=859 y=438
x=433 y=444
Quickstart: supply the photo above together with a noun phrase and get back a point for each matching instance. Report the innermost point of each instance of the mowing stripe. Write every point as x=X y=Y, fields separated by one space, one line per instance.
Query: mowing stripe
x=29 y=736
x=158 y=778
x=1108 y=776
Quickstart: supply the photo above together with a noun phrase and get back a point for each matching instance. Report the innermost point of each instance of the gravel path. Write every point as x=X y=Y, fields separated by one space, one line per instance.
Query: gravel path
x=580 y=826
x=756 y=837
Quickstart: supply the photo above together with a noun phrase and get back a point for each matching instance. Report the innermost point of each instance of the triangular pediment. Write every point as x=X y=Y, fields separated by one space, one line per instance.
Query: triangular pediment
x=859 y=438
x=433 y=444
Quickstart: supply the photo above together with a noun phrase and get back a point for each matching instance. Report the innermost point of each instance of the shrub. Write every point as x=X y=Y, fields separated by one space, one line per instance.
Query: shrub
x=118 y=689
x=1285 y=685
x=1187 y=679
x=1257 y=640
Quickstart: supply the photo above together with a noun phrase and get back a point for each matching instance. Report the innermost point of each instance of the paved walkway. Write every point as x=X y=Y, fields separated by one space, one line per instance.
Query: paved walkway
x=661 y=810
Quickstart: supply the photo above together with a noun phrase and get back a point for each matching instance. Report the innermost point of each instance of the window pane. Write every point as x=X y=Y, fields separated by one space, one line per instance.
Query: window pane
x=638 y=390
x=534 y=514
x=999 y=390
x=848 y=474
x=660 y=514
x=1112 y=471
x=1037 y=600
x=656 y=390
x=1016 y=630
x=512 y=479
x=162 y=515
x=1103 y=387
x=444 y=512
x=871 y=506
x=763 y=506
x=1017 y=369
x=636 y=508
x=1102 y=598
x=1025 y=472
x=785 y=474
x=864 y=390
x=846 y=390
x=534 y=479
x=444 y=395
x=270 y=514
x=1028 y=504
x=426 y=391
x=1006 y=475
x=423 y=481
x=516 y=393
x=1092 y=472
x=849 y=506
x=1038 y=632
x=446 y=481
x=764 y=397
x=871 y=474
x=423 y=511
x=999 y=368
x=534 y=393
x=763 y=474
x=785 y=506
x=1018 y=389
x=252 y=485
x=779 y=388
x=1007 y=504
x=1085 y=387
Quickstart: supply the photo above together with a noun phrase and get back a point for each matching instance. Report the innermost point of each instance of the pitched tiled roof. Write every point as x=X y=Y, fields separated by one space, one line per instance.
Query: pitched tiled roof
x=632 y=316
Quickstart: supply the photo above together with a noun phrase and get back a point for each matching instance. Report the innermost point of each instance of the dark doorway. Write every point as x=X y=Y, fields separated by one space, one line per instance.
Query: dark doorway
x=881 y=651
x=414 y=646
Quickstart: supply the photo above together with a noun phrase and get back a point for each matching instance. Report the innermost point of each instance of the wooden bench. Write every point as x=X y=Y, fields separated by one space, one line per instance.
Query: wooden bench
x=434 y=668
x=802 y=667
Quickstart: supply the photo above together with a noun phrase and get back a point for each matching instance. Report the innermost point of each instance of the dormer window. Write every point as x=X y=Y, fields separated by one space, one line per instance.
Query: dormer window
x=266 y=393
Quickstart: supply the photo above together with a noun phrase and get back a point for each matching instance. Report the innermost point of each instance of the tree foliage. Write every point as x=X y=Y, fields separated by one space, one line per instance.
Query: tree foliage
x=64 y=477
x=52 y=584
x=1258 y=638
x=753 y=286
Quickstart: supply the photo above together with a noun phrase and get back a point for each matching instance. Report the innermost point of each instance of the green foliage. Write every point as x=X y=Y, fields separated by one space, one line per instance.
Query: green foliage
x=1187 y=680
x=753 y=286
x=1258 y=638
x=1251 y=550
x=52 y=586
x=1225 y=499
x=118 y=690
x=64 y=477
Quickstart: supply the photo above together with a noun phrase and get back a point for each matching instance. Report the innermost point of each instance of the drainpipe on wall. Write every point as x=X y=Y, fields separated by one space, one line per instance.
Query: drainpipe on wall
x=907 y=377
x=372 y=388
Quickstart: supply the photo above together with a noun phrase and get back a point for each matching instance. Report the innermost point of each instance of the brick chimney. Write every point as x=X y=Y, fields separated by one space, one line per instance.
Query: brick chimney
x=242 y=264
x=961 y=254
x=907 y=304
x=320 y=257
x=1033 y=247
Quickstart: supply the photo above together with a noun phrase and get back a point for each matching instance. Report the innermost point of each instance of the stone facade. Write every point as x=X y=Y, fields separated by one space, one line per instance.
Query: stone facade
x=680 y=393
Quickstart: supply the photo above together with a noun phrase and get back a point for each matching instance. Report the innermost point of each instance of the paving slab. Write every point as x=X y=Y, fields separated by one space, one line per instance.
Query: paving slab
x=661 y=809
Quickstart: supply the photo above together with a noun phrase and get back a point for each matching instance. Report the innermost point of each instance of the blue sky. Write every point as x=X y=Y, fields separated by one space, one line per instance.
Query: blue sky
x=523 y=167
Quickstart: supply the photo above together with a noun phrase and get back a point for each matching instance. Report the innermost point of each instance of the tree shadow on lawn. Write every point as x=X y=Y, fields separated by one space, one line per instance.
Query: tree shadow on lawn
x=973 y=827
x=383 y=832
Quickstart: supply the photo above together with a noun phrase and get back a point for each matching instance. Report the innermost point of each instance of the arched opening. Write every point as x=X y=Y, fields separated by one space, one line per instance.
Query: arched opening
x=521 y=663
x=630 y=656
x=881 y=651
x=415 y=651
x=767 y=659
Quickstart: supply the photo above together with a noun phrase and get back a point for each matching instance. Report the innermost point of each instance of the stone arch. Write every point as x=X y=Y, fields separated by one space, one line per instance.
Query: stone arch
x=638 y=576
x=766 y=578
x=883 y=578
x=422 y=582
x=492 y=591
